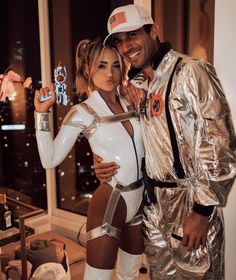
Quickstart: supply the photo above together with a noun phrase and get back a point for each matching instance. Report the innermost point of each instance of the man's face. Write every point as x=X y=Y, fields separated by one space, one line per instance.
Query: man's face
x=137 y=47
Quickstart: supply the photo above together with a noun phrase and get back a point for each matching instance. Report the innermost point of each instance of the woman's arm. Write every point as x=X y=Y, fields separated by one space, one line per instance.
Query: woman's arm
x=53 y=152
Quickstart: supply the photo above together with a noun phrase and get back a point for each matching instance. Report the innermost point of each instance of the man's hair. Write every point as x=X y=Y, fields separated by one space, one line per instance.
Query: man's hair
x=147 y=28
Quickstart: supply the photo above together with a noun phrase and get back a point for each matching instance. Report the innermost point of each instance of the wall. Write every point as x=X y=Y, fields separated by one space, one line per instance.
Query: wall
x=225 y=61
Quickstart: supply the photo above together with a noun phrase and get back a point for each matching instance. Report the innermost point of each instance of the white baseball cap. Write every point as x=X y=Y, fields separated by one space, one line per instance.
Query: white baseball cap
x=127 y=18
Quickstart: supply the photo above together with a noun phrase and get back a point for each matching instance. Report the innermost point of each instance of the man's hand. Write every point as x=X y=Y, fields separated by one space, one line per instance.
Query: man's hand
x=195 y=229
x=104 y=171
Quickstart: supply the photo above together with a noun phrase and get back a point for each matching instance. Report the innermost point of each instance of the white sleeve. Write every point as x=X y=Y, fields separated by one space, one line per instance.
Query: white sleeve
x=53 y=152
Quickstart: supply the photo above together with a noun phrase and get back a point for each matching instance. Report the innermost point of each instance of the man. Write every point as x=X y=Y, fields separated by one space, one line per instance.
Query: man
x=190 y=150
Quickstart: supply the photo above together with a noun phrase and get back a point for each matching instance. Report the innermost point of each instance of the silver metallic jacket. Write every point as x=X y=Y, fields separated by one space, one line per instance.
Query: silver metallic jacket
x=203 y=128
x=206 y=140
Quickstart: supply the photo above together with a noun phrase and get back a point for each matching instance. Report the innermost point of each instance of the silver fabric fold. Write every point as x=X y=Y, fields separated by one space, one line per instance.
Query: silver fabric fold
x=105 y=229
x=132 y=186
x=42 y=121
x=97 y=120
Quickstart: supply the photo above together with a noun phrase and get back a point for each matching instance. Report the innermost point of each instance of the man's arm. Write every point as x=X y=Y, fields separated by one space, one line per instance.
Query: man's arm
x=215 y=168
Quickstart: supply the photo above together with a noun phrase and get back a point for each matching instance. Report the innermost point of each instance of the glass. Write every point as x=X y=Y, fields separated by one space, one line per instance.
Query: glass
x=21 y=173
x=75 y=178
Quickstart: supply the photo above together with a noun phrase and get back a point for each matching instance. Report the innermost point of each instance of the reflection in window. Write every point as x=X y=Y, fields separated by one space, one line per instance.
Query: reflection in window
x=76 y=180
x=21 y=173
x=75 y=177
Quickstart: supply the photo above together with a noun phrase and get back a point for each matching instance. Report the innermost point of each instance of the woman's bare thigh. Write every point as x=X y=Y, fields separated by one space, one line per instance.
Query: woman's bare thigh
x=102 y=251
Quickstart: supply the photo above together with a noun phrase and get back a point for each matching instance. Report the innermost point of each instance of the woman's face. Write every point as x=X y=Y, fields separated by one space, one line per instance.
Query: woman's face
x=108 y=75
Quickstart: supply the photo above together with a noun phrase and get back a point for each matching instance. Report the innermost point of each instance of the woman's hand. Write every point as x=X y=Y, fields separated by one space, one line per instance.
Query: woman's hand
x=133 y=94
x=44 y=106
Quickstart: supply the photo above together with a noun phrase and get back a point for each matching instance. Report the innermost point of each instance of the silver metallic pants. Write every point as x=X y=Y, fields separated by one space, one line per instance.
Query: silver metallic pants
x=167 y=258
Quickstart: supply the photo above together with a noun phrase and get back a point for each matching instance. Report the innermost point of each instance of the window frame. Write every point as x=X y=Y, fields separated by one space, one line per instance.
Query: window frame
x=62 y=220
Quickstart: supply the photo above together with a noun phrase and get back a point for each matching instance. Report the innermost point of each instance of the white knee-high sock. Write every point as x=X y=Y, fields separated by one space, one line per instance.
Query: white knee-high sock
x=92 y=273
x=128 y=265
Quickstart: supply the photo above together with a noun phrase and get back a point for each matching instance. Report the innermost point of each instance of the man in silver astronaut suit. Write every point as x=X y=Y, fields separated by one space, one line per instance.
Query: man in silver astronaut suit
x=190 y=161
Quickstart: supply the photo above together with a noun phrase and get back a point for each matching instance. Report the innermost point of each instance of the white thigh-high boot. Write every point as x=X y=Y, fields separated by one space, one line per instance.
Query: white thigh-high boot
x=128 y=265
x=92 y=273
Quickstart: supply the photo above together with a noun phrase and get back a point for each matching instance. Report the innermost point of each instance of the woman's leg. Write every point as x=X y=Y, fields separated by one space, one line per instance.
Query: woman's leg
x=92 y=273
x=130 y=253
x=132 y=239
x=102 y=251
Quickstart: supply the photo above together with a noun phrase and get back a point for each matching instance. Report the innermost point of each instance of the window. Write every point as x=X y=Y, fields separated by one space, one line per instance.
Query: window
x=21 y=173
x=75 y=179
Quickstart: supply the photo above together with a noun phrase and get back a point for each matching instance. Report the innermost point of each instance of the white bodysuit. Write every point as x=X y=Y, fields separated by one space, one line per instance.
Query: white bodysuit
x=111 y=141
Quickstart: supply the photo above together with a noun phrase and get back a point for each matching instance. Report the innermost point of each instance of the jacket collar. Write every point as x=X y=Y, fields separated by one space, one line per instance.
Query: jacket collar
x=163 y=49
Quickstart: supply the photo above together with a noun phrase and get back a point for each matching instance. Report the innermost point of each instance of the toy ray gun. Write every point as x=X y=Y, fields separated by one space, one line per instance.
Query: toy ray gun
x=60 y=76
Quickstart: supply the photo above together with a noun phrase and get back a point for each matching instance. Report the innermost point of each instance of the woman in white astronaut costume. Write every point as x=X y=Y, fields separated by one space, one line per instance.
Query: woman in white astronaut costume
x=114 y=216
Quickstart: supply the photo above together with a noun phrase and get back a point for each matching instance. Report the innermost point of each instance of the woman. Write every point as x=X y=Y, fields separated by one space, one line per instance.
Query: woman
x=114 y=214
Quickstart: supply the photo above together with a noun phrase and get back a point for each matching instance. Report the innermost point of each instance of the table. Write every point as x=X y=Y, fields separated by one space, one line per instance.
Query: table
x=13 y=234
x=19 y=231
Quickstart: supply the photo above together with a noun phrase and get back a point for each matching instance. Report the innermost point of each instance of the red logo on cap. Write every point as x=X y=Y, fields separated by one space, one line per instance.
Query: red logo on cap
x=117 y=19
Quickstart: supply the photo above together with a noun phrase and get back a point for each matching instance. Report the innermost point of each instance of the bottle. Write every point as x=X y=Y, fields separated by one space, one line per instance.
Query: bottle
x=6 y=215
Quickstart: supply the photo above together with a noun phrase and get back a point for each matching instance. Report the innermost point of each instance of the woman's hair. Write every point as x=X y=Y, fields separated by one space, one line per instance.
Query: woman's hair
x=88 y=57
